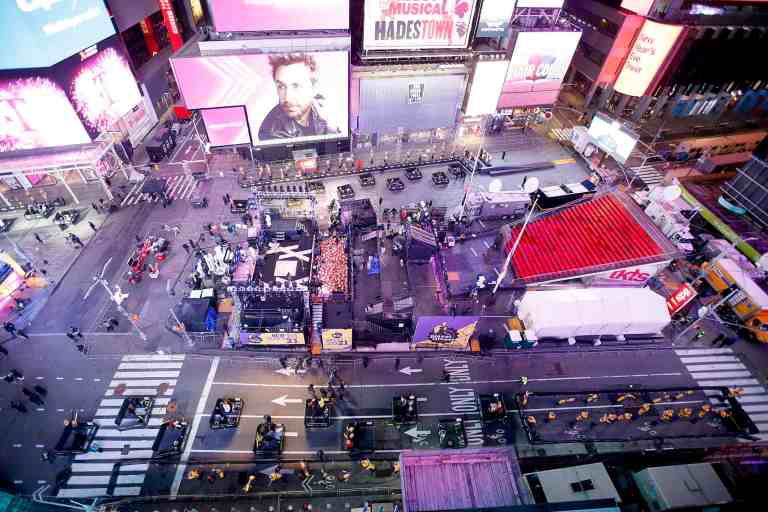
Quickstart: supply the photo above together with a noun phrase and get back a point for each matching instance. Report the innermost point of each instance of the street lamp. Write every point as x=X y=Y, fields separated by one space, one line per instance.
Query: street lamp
x=531 y=186
x=116 y=297
x=468 y=187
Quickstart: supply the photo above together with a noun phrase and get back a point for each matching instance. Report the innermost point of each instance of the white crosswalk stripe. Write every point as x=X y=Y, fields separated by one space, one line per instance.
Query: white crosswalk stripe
x=178 y=187
x=720 y=367
x=99 y=471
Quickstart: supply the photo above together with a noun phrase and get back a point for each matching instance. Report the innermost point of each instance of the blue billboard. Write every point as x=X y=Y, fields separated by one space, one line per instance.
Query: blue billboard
x=40 y=33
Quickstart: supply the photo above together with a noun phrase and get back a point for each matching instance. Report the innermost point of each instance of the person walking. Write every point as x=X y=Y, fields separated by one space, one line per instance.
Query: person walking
x=39 y=240
x=185 y=247
x=16 y=375
x=192 y=243
x=15 y=404
x=95 y=207
x=74 y=331
x=3 y=350
x=93 y=226
x=14 y=331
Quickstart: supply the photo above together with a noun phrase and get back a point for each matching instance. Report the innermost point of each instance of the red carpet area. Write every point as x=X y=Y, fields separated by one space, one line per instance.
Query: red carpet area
x=598 y=235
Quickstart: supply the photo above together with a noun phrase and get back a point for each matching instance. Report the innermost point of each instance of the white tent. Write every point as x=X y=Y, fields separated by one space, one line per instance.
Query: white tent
x=593 y=312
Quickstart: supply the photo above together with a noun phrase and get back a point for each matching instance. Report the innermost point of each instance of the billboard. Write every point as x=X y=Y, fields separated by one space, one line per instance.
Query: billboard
x=537 y=69
x=612 y=137
x=650 y=51
x=101 y=87
x=226 y=126
x=540 y=4
x=417 y=24
x=494 y=18
x=620 y=49
x=446 y=332
x=640 y=7
x=414 y=102
x=296 y=97
x=486 y=87
x=337 y=339
x=271 y=15
x=36 y=113
x=271 y=338
x=40 y=33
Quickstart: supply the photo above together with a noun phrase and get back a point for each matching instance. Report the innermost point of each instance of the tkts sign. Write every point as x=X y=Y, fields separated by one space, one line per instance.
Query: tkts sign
x=416 y=24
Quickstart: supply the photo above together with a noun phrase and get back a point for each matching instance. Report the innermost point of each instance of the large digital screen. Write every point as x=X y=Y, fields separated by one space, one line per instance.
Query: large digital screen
x=486 y=87
x=494 y=18
x=537 y=69
x=417 y=24
x=541 y=4
x=637 y=6
x=270 y=15
x=612 y=137
x=650 y=51
x=102 y=87
x=226 y=126
x=36 y=113
x=40 y=33
x=288 y=97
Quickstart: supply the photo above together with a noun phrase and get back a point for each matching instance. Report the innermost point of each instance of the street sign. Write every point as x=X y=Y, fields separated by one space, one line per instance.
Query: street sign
x=681 y=297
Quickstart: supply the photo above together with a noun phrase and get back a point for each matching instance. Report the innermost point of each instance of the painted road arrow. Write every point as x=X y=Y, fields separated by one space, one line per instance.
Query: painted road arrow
x=306 y=482
x=284 y=400
x=416 y=433
x=410 y=371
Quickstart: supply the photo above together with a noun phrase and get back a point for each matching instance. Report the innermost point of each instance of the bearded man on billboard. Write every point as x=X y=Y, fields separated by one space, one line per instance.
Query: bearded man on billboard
x=299 y=112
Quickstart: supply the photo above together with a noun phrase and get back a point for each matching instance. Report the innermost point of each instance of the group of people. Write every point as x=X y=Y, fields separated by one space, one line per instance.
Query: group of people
x=332 y=271
x=34 y=395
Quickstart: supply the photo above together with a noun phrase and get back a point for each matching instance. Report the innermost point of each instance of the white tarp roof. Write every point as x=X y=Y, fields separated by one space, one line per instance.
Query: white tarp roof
x=593 y=312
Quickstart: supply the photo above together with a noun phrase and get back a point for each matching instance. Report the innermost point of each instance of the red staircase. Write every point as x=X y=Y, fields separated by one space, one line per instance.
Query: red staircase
x=598 y=235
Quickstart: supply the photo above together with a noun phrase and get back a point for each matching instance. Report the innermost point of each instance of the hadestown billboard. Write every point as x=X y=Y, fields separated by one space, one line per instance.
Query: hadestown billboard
x=417 y=24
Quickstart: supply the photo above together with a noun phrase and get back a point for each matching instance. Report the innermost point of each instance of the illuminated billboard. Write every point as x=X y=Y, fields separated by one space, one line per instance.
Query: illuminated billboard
x=292 y=97
x=640 y=7
x=417 y=24
x=486 y=87
x=36 y=113
x=650 y=51
x=540 y=4
x=537 y=69
x=101 y=87
x=40 y=33
x=494 y=18
x=271 y=15
x=612 y=137
x=226 y=126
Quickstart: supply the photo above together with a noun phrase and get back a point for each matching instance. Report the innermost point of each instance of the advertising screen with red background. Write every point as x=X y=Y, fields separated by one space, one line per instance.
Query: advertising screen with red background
x=315 y=87
x=620 y=49
x=226 y=126
x=272 y=15
x=537 y=69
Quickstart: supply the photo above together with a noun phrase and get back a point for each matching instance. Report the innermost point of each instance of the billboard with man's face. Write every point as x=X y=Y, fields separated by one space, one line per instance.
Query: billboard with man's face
x=295 y=97
x=537 y=69
x=270 y=15
x=417 y=24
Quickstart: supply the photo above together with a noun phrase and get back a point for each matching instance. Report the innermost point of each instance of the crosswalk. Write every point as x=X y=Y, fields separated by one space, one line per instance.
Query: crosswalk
x=648 y=175
x=718 y=367
x=561 y=134
x=118 y=469
x=181 y=186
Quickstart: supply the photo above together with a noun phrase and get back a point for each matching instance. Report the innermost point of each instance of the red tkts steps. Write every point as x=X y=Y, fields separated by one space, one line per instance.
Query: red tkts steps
x=595 y=234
